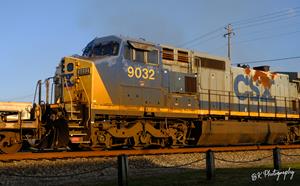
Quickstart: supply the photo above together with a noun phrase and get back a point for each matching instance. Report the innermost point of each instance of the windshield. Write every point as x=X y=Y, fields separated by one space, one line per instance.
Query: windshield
x=110 y=48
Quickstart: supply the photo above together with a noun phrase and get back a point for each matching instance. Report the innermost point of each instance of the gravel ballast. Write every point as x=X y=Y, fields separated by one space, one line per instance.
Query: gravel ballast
x=89 y=171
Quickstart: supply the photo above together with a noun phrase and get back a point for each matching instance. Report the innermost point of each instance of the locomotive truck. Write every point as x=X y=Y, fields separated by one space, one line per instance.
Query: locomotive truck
x=130 y=93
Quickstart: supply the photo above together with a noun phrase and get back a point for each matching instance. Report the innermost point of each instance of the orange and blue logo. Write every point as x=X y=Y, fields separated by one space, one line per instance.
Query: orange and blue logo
x=254 y=79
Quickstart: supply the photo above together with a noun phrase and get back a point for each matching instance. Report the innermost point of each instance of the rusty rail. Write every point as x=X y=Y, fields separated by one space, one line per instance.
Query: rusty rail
x=114 y=153
x=123 y=158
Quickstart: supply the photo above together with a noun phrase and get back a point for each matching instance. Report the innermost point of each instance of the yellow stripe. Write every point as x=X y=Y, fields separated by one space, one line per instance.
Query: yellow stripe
x=188 y=111
x=293 y=116
x=219 y=112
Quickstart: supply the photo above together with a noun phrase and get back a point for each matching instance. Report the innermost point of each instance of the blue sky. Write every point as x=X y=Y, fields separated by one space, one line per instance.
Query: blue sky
x=35 y=35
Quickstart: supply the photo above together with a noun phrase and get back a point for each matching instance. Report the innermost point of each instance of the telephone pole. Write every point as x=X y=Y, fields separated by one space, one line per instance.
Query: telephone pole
x=228 y=34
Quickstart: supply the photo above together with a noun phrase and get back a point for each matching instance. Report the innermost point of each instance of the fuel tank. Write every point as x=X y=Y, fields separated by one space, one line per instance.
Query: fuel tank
x=241 y=133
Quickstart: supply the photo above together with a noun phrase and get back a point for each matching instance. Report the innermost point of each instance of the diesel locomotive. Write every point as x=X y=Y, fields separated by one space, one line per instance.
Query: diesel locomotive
x=130 y=93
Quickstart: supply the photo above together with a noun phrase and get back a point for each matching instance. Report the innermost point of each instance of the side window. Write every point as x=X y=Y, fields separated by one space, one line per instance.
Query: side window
x=128 y=52
x=139 y=56
x=152 y=57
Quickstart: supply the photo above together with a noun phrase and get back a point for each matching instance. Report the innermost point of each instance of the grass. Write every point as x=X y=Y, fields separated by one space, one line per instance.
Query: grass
x=223 y=177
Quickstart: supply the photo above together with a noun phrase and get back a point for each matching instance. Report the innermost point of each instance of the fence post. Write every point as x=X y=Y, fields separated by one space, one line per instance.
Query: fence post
x=276 y=158
x=210 y=165
x=122 y=170
x=209 y=102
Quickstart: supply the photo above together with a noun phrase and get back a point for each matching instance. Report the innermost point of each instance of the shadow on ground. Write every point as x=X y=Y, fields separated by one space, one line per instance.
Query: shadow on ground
x=156 y=175
x=142 y=171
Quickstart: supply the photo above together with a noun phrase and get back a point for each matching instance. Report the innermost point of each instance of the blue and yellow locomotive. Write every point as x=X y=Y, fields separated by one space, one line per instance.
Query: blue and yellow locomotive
x=129 y=92
x=125 y=92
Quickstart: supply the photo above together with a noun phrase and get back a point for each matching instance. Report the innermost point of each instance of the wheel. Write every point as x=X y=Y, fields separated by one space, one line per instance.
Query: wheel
x=108 y=141
x=10 y=142
x=145 y=139
x=104 y=139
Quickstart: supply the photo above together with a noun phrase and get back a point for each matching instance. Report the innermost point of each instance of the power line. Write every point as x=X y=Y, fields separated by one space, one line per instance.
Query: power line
x=271 y=19
x=266 y=16
x=200 y=37
x=267 y=60
x=250 y=22
x=203 y=41
x=267 y=29
x=255 y=39
x=265 y=22
x=268 y=37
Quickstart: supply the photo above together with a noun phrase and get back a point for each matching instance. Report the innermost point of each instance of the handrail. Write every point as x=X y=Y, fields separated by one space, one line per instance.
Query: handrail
x=89 y=102
x=64 y=78
x=276 y=105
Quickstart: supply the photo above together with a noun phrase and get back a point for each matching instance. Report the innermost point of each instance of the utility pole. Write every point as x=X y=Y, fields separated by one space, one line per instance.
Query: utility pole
x=228 y=34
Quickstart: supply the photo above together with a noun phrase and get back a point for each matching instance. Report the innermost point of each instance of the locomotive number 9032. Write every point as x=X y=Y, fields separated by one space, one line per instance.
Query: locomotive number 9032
x=139 y=73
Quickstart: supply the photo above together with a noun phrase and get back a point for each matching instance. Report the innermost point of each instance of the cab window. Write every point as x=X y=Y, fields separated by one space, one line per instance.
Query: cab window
x=142 y=53
x=139 y=56
x=128 y=53
x=110 y=48
x=152 y=57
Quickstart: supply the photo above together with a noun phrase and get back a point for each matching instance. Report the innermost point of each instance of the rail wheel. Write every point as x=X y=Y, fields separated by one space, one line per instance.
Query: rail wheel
x=135 y=142
x=141 y=140
x=105 y=139
x=145 y=139
x=163 y=143
x=293 y=135
x=10 y=142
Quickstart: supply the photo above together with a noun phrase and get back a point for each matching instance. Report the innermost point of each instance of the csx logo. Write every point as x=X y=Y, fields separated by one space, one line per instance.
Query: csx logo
x=255 y=93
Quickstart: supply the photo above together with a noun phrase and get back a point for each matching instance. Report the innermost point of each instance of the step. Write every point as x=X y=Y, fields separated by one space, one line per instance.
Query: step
x=37 y=150
x=73 y=111
x=76 y=126
x=75 y=119
x=77 y=134
x=82 y=142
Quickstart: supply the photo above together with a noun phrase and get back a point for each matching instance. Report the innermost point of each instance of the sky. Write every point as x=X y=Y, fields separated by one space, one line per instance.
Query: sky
x=35 y=34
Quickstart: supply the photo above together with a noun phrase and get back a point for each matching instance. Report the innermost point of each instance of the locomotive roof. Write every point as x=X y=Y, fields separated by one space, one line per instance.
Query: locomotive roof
x=200 y=54
x=141 y=40
x=124 y=38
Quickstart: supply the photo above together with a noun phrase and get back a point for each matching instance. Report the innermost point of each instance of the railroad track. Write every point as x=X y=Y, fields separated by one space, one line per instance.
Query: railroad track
x=112 y=153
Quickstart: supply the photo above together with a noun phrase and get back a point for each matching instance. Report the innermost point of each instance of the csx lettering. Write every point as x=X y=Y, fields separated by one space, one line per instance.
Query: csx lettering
x=139 y=72
x=254 y=94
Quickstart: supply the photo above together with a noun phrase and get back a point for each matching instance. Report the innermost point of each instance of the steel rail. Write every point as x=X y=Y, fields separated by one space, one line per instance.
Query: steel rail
x=113 y=153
